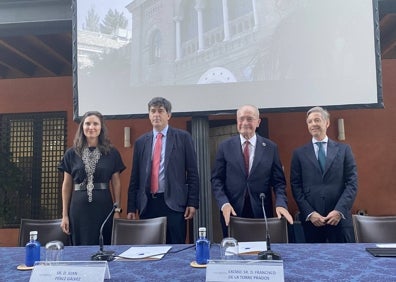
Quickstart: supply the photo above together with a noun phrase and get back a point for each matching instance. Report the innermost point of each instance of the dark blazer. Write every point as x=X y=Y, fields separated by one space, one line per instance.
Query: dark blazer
x=335 y=189
x=229 y=180
x=181 y=172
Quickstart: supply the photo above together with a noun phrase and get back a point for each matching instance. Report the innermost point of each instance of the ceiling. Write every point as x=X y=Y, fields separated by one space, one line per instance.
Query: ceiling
x=36 y=37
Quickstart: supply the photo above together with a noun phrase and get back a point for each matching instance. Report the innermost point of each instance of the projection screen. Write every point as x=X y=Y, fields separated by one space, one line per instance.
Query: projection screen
x=210 y=57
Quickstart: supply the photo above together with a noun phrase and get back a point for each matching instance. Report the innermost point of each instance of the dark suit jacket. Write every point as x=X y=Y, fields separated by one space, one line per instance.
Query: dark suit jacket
x=335 y=189
x=181 y=172
x=229 y=180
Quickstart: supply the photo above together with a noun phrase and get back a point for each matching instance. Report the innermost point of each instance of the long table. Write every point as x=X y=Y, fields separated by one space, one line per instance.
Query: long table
x=302 y=262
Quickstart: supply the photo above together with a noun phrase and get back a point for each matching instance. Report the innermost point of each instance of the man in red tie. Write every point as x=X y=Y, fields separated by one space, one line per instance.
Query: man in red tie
x=164 y=179
x=247 y=165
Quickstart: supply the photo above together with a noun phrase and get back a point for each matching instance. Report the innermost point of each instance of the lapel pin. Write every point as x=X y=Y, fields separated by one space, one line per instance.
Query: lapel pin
x=263 y=144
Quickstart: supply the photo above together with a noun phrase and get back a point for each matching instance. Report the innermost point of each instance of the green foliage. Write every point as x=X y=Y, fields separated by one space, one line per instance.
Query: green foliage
x=112 y=22
x=14 y=192
x=92 y=21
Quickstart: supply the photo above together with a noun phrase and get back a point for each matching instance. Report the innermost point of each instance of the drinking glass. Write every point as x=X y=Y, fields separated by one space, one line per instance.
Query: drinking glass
x=54 y=251
x=229 y=249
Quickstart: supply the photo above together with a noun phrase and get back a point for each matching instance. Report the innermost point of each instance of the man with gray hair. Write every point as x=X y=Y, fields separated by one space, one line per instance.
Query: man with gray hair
x=246 y=166
x=324 y=183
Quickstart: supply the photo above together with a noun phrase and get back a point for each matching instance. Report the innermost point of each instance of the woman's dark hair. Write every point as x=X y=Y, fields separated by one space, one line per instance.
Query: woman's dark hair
x=80 y=140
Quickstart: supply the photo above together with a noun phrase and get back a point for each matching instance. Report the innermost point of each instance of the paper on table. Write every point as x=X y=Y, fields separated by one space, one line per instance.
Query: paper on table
x=390 y=245
x=252 y=247
x=141 y=253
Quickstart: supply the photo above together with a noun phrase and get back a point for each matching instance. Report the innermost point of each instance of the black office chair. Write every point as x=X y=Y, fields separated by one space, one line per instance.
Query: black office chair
x=374 y=229
x=139 y=232
x=48 y=230
x=253 y=229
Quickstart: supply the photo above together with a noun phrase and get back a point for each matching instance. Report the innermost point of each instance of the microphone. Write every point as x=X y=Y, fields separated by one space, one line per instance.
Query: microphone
x=101 y=254
x=268 y=254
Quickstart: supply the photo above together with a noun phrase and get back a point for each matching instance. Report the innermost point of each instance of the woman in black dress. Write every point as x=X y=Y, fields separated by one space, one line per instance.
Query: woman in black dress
x=91 y=183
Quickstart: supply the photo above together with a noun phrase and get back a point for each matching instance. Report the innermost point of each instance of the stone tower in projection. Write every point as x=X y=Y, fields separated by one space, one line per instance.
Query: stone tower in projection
x=182 y=42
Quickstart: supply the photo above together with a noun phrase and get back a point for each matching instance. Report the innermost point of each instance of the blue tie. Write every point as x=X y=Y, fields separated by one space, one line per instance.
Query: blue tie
x=321 y=156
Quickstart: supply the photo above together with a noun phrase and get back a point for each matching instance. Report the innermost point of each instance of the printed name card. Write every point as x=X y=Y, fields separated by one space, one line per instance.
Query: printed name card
x=82 y=271
x=245 y=270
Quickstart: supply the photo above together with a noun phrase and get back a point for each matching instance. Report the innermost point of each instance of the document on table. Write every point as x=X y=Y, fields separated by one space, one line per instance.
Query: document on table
x=252 y=247
x=144 y=253
x=387 y=245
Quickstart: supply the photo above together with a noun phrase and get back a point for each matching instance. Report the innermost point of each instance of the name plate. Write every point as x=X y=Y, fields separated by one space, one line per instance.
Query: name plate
x=82 y=271
x=244 y=270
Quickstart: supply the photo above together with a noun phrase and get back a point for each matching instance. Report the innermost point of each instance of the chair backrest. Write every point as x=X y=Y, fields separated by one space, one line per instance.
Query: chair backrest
x=374 y=229
x=48 y=230
x=253 y=229
x=139 y=232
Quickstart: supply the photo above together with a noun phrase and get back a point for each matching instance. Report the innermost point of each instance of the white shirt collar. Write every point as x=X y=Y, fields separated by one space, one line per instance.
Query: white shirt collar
x=163 y=131
x=252 y=140
x=326 y=140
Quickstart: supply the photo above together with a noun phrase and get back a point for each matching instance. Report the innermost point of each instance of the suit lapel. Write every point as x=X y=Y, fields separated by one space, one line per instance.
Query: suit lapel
x=147 y=152
x=332 y=151
x=259 y=152
x=170 y=142
x=237 y=148
x=309 y=152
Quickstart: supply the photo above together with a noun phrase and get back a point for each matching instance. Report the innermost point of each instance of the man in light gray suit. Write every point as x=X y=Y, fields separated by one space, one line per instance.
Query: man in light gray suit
x=324 y=195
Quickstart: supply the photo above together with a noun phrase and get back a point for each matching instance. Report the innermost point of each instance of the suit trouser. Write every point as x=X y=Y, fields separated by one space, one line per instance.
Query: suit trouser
x=176 y=224
x=328 y=233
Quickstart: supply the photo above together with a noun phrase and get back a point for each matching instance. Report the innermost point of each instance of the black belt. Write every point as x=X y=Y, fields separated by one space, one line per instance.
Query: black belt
x=157 y=195
x=98 y=186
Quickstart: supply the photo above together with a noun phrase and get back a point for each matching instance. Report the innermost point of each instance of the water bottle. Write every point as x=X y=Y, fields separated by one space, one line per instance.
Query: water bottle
x=202 y=247
x=32 y=249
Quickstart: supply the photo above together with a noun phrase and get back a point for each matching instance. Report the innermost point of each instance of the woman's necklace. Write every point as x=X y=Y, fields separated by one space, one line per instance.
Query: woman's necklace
x=90 y=158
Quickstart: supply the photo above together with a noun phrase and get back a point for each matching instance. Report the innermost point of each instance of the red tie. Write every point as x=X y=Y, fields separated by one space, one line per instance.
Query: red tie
x=156 y=164
x=246 y=156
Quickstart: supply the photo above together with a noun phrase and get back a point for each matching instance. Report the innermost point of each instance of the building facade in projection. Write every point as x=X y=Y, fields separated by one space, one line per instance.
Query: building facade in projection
x=200 y=42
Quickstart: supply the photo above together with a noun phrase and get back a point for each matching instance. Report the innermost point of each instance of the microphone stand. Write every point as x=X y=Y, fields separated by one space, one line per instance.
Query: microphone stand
x=102 y=254
x=268 y=254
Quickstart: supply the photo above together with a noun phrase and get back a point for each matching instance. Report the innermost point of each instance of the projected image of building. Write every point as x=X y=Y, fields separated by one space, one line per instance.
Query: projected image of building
x=94 y=46
x=198 y=42
x=282 y=52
